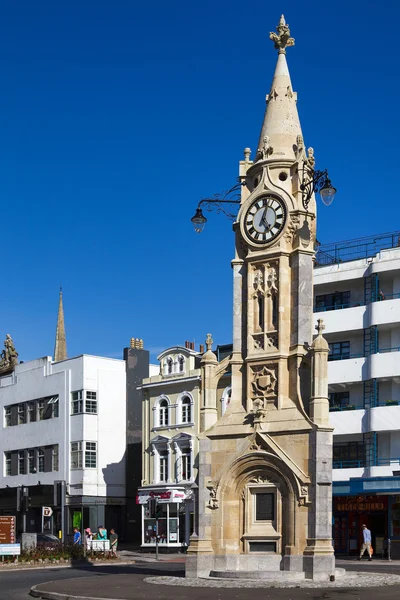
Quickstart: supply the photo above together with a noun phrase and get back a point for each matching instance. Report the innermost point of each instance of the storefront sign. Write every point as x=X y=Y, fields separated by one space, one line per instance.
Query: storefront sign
x=360 y=504
x=163 y=496
x=7 y=530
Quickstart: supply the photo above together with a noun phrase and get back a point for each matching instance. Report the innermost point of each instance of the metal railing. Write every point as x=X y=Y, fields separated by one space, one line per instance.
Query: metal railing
x=381 y=298
x=342 y=407
x=393 y=349
x=387 y=462
x=348 y=464
x=337 y=252
x=344 y=356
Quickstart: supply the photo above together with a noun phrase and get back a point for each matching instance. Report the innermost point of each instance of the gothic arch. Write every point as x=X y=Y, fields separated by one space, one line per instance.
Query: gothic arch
x=230 y=494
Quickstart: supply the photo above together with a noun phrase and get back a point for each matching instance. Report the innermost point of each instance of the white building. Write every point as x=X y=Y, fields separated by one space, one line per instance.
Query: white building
x=65 y=421
x=357 y=293
x=171 y=424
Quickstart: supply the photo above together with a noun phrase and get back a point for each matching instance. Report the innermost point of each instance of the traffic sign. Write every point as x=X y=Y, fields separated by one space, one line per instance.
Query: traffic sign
x=7 y=530
x=47 y=511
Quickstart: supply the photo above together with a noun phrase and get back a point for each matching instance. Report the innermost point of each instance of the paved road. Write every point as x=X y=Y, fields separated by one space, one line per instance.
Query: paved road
x=15 y=585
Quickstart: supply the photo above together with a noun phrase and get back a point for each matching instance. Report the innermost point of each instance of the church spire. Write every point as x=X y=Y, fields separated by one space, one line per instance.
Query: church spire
x=281 y=126
x=60 y=348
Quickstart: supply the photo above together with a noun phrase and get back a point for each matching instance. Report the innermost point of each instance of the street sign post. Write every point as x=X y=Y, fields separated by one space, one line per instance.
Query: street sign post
x=7 y=537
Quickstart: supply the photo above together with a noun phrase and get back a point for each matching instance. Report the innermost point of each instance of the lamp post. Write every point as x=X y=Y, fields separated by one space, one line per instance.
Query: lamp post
x=195 y=488
x=316 y=181
x=217 y=203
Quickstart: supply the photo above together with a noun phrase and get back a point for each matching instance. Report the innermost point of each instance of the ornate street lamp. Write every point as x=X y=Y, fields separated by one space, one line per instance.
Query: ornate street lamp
x=316 y=181
x=217 y=203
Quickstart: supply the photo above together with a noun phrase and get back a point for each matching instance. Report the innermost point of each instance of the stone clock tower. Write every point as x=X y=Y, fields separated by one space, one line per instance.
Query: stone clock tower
x=264 y=503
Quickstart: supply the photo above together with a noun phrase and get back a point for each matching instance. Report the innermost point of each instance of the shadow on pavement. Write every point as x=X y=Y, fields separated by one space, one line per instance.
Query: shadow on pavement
x=164 y=568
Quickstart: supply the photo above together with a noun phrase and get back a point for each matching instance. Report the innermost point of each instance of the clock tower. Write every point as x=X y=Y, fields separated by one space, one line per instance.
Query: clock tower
x=264 y=502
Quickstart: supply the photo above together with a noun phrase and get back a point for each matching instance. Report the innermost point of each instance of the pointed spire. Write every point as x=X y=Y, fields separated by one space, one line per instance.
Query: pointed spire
x=60 y=348
x=281 y=128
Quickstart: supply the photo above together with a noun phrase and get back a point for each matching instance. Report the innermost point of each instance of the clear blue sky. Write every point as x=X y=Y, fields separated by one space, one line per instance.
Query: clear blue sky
x=117 y=117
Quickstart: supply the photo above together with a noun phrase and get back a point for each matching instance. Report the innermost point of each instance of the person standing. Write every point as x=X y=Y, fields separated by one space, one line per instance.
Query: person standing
x=77 y=537
x=113 y=542
x=367 y=542
x=102 y=535
x=88 y=538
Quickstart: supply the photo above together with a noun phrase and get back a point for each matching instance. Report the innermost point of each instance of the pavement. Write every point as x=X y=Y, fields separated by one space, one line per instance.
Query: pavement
x=129 y=583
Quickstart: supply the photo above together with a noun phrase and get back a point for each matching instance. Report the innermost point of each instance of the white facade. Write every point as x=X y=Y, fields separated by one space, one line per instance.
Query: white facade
x=359 y=301
x=82 y=419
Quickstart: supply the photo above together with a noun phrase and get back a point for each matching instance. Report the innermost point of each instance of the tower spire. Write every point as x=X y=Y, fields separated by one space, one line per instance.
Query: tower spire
x=60 y=348
x=281 y=127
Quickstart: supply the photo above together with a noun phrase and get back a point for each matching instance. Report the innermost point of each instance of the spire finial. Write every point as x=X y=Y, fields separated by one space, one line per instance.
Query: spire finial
x=282 y=38
x=60 y=348
x=209 y=341
x=320 y=326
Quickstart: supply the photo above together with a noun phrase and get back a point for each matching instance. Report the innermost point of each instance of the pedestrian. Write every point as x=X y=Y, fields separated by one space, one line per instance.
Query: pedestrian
x=367 y=542
x=113 y=542
x=88 y=537
x=77 y=537
x=102 y=535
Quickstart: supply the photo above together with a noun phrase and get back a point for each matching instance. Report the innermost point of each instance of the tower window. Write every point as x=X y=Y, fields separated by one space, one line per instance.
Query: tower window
x=265 y=506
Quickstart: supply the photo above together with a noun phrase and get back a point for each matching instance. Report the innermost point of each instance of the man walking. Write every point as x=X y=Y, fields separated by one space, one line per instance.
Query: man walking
x=114 y=542
x=367 y=542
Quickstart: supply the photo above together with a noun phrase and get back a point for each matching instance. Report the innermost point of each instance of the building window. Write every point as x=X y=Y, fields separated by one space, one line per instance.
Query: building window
x=163 y=413
x=40 y=410
x=21 y=414
x=170 y=365
x=163 y=464
x=21 y=462
x=7 y=463
x=7 y=416
x=348 y=455
x=91 y=403
x=181 y=364
x=31 y=460
x=334 y=301
x=226 y=399
x=186 y=410
x=77 y=403
x=76 y=455
x=91 y=455
x=339 y=351
x=40 y=457
x=264 y=506
x=52 y=407
x=186 y=469
x=30 y=409
x=339 y=399
x=55 y=458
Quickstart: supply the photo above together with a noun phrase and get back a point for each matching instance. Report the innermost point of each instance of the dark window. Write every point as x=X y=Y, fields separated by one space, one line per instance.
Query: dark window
x=262 y=546
x=339 y=350
x=350 y=453
x=333 y=301
x=265 y=506
x=339 y=399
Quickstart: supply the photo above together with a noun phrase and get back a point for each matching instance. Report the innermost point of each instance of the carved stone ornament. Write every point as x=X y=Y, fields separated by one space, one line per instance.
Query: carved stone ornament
x=272 y=95
x=255 y=446
x=264 y=382
x=260 y=479
x=213 y=502
x=310 y=160
x=289 y=92
x=9 y=356
x=272 y=279
x=291 y=229
x=281 y=38
x=258 y=280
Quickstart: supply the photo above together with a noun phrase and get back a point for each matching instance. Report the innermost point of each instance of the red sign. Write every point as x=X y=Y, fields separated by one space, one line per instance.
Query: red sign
x=7 y=530
x=163 y=496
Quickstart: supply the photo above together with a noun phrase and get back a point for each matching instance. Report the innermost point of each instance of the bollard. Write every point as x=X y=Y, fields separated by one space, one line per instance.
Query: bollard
x=389 y=549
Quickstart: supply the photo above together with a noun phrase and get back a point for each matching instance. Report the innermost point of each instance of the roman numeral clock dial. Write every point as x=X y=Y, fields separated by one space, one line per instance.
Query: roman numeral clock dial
x=265 y=219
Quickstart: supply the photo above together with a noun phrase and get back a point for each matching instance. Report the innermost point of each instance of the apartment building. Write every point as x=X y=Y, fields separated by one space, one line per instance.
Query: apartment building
x=357 y=293
x=64 y=421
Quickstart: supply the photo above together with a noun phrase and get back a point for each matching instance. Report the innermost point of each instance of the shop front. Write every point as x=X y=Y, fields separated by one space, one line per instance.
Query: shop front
x=174 y=521
x=350 y=514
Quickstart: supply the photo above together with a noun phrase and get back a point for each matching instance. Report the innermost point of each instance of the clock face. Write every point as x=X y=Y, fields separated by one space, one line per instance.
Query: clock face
x=265 y=219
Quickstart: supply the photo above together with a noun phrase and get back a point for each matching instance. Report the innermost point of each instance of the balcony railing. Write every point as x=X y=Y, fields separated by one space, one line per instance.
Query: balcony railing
x=343 y=356
x=337 y=252
x=380 y=298
x=341 y=407
x=393 y=349
x=348 y=464
x=356 y=464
